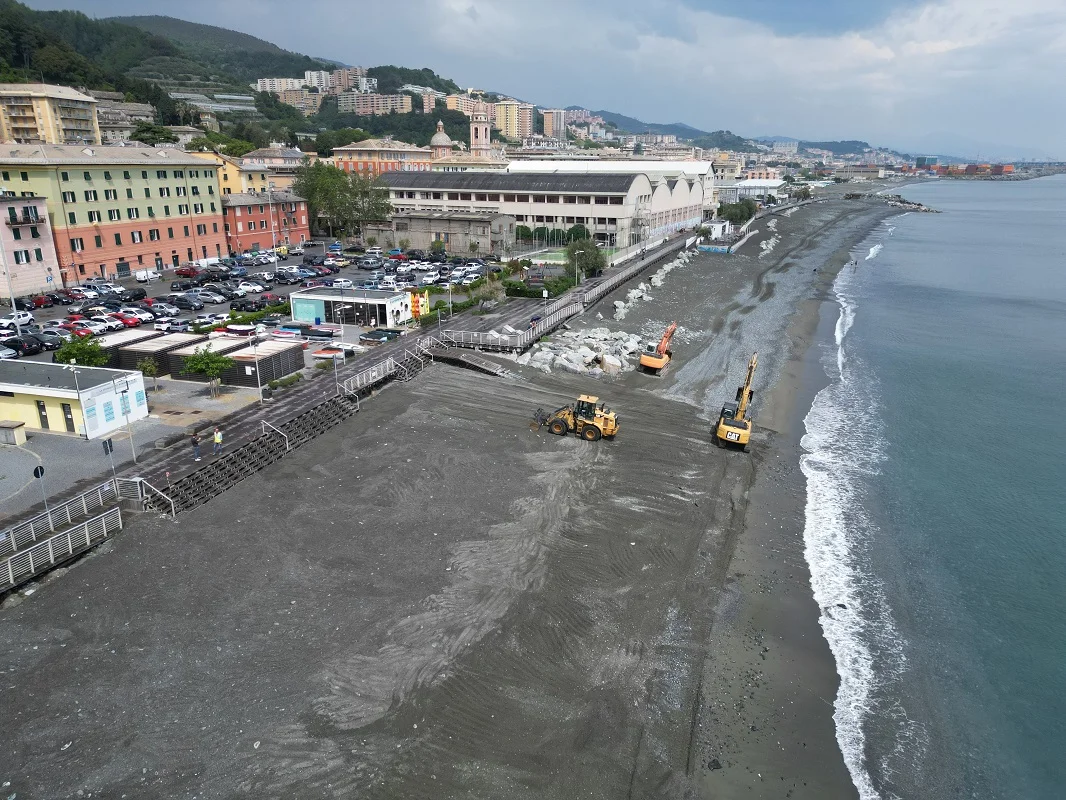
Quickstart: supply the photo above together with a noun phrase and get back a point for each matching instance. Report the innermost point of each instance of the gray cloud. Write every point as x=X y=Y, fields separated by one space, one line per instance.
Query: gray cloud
x=977 y=69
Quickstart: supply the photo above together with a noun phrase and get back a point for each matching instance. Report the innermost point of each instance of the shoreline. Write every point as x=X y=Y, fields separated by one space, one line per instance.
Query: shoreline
x=768 y=621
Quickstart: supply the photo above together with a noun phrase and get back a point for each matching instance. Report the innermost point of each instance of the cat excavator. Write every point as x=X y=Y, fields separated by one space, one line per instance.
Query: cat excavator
x=734 y=426
x=587 y=419
x=656 y=356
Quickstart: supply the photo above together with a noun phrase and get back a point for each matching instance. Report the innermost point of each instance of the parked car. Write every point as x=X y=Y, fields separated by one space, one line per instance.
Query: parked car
x=73 y=329
x=95 y=327
x=23 y=345
x=247 y=305
x=207 y=296
x=187 y=271
x=139 y=313
x=42 y=301
x=186 y=303
x=108 y=322
x=49 y=340
x=83 y=293
x=128 y=320
x=342 y=283
x=60 y=299
x=165 y=310
x=312 y=283
x=250 y=286
x=134 y=293
x=18 y=317
x=373 y=251
x=7 y=352
x=173 y=325
x=271 y=299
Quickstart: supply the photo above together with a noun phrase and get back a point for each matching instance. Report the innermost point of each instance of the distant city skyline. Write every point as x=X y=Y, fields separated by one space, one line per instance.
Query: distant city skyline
x=899 y=73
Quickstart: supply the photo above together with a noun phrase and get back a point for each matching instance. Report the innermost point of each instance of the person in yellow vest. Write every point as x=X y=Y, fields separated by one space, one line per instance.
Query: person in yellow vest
x=218 y=442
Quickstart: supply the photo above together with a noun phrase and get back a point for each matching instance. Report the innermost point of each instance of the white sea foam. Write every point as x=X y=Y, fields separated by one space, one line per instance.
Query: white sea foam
x=874 y=251
x=844 y=446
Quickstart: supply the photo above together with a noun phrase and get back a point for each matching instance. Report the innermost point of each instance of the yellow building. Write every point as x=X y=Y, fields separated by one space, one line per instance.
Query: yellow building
x=38 y=112
x=554 y=123
x=514 y=120
x=237 y=178
x=58 y=398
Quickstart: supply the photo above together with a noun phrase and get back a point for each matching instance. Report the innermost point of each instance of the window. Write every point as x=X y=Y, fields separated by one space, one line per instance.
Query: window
x=251 y=225
x=210 y=189
x=135 y=237
x=34 y=233
x=107 y=175
x=201 y=229
x=161 y=174
x=88 y=176
x=72 y=218
x=164 y=191
x=179 y=191
x=26 y=176
x=209 y=173
x=194 y=173
x=77 y=245
x=94 y=216
x=196 y=190
x=144 y=174
x=133 y=213
x=186 y=230
x=114 y=215
x=153 y=234
x=110 y=194
x=99 y=241
x=38 y=254
x=129 y=194
x=198 y=208
x=151 y=211
x=262 y=209
x=225 y=177
x=90 y=196
x=179 y=173
x=183 y=209
x=147 y=191
x=118 y=238
x=170 y=233
x=212 y=207
x=166 y=211
x=126 y=174
x=16 y=234
x=68 y=197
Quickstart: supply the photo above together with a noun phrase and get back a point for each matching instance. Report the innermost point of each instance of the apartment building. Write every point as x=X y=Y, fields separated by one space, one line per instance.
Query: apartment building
x=618 y=209
x=514 y=120
x=307 y=102
x=352 y=79
x=117 y=118
x=113 y=210
x=40 y=112
x=468 y=105
x=26 y=241
x=278 y=84
x=319 y=79
x=373 y=104
x=235 y=177
x=378 y=156
x=554 y=123
x=258 y=221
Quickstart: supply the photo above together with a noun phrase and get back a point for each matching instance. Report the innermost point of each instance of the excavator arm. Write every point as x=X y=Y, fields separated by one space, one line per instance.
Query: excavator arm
x=745 y=393
x=664 y=343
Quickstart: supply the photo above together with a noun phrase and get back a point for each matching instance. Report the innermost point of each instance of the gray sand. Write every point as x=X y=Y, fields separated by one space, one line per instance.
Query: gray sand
x=433 y=601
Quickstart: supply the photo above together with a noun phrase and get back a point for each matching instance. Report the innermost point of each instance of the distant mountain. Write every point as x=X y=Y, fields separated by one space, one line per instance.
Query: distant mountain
x=838 y=148
x=955 y=148
x=772 y=139
x=633 y=125
x=213 y=57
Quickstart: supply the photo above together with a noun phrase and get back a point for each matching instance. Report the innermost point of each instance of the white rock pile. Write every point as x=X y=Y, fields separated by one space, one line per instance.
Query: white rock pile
x=592 y=351
x=642 y=292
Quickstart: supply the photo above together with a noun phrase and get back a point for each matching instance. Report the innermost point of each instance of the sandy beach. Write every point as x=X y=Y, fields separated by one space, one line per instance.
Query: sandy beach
x=432 y=600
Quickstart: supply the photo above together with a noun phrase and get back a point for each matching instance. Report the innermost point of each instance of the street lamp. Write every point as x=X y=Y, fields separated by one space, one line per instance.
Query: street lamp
x=342 y=309
x=125 y=403
x=577 y=280
x=255 y=355
x=73 y=367
x=10 y=292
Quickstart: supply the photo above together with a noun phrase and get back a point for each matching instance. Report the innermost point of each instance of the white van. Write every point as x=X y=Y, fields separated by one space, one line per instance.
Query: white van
x=374 y=251
x=388 y=282
x=146 y=275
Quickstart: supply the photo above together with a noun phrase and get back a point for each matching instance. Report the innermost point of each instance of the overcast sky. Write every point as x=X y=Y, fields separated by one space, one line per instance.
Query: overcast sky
x=967 y=77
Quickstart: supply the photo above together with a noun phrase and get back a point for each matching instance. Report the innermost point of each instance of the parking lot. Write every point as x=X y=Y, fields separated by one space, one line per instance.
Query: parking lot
x=217 y=294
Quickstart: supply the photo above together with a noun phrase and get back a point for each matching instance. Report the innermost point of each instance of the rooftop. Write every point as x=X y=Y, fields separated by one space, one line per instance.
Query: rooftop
x=258 y=199
x=429 y=214
x=43 y=90
x=274 y=152
x=754 y=183
x=56 y=154
x=330 y=293
x=647 y=166
x=381 y=144
x=510 y=182
x=43 y=375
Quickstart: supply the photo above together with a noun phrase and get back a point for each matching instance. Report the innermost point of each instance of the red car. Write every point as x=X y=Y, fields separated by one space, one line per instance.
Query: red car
x=271 y=299
x=128 y=320
x=187 y=272
x=42 y=301
x=75 y=329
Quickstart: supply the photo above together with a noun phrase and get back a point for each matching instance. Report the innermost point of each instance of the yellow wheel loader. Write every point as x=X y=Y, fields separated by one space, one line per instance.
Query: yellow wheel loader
x=585 y=418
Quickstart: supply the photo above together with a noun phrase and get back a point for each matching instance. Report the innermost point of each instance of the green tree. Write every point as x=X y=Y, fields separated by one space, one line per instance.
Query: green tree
x=325 y=188
x=738 y=213
x=578 y=232
x=584 y=257
x=366 y=200
x=84 y=352
x=437 y=246
x=523 y=233
x=404 y=244
x=372 y=241
x=474 y=247
x=152 y=134
x=204 y=361
x=149 y=367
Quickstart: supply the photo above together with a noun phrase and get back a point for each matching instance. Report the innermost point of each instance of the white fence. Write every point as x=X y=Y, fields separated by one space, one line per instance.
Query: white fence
x=25 y=533
x=24 y=564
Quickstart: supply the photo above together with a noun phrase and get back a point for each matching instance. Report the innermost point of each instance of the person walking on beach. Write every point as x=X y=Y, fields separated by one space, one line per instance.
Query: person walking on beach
x=195 y=447
x=218 y=442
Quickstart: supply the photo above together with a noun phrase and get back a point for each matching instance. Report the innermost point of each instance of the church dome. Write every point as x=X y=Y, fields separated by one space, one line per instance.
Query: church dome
x=440 y=138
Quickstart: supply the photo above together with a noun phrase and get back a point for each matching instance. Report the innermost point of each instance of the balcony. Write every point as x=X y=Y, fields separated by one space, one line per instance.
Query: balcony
x=18 y=222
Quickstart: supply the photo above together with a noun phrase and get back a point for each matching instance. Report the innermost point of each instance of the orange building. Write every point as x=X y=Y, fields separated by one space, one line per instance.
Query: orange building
x=259 y=221
x=375 y=156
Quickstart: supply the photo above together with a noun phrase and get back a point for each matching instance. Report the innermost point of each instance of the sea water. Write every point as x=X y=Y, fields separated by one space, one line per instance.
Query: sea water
x=935 y=531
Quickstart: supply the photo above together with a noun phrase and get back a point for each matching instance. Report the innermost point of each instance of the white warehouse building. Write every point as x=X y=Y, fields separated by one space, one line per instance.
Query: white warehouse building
x=618 y=209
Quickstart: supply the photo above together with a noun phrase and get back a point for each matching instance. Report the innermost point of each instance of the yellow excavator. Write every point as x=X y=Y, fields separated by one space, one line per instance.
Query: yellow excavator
x=587 y=419
x=734 y=426
x=656 y=356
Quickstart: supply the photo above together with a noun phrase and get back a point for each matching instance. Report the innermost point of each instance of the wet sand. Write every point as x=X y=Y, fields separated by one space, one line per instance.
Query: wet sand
x=432 y=600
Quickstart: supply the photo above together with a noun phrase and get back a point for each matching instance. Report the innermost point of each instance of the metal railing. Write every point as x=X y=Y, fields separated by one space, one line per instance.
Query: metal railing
x=278 y=431
x=23 y=565
x=24 y=533
x=139 y=489
x=369 y=376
